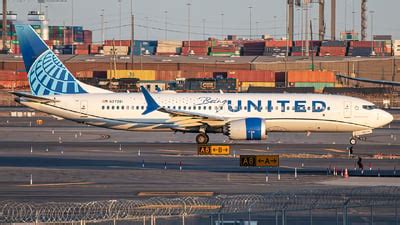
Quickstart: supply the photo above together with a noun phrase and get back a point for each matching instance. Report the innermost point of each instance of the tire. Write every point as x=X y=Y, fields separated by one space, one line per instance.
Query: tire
x=353 y=141
x=202 y=138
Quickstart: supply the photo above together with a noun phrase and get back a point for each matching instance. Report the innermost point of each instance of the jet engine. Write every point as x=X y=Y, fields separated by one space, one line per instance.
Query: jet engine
x=246 y=129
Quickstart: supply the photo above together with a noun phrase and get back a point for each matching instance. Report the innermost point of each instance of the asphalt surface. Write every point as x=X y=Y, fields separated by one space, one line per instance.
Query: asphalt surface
x=73 y=162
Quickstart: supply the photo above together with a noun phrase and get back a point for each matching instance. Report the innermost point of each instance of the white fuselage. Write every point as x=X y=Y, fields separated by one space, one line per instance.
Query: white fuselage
x=281 y=112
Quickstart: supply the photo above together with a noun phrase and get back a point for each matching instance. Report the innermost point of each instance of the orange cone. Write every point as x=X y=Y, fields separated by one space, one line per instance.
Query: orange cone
x=346 y=173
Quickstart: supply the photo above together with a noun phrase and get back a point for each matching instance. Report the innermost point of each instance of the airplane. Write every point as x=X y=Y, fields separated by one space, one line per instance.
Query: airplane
x=240 y=116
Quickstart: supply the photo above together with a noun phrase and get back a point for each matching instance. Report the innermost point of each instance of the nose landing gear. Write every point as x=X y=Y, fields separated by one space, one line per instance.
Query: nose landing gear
x=353 y=141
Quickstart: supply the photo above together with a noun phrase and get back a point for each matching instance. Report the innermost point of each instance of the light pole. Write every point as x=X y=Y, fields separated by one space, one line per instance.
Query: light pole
x=120 y=20
x=166 y=24
x=275 y=26
x=222 y=26
x=188 y=5
x=250 y=12
x=102 y=26
x=47 y=12
x=72 y=25
x=147 y=27
x=204 y=29
x=257 y=29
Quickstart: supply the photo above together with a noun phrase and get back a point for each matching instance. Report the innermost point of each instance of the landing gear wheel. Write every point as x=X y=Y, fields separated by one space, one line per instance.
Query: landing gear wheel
x=202 y=138
x=353 y=141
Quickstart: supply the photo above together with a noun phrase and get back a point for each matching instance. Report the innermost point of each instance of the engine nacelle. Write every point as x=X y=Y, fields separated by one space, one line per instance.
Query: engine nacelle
x=246 y=129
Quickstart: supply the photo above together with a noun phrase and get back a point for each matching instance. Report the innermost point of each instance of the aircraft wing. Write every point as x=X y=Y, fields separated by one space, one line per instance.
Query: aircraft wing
x=180 y=117
x=32 y=98
x=385 y=82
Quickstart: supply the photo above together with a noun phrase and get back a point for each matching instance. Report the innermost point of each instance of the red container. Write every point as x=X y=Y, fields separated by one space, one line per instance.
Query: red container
x=84 y=74
x=196 y=50
x=82 y=51
x=87 y=37
x=361 y=44
x=167 y=75
x=14 y=84
x=311 y=76
x=278 y=44
x=196 y=44
x=94 y=49
x=117 y=42
x=8 y=75
x=252 y=75
x=223 y=49
x=332 y=51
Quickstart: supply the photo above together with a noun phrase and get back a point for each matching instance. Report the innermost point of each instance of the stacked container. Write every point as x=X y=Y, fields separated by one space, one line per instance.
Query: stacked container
x=253 y=48
x=210 y=85
x=316 y=79
x=299 y=48
x=12 y=79
x=143 y=47
x=360 y=48
x=139 y=74
x=87 y=37
x=333 y=48
x=169 y=48
x=195 y=47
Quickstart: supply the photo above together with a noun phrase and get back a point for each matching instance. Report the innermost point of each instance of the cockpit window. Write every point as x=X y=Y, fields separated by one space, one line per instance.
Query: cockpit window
x=370 y=107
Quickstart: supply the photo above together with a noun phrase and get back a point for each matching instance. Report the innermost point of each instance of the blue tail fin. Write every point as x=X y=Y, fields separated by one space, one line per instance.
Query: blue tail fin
x=47 y=75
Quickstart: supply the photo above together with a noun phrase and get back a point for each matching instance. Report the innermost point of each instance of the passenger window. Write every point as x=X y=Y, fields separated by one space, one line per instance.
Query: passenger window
x=205 y=107
x=137 y=107
x=142 y=107
x=117 y=107
x=122 y=107
x=102 y=107
x=112 y=107
x=108 y=107
x=209 y=108
x=179 y=107
x=329 y=108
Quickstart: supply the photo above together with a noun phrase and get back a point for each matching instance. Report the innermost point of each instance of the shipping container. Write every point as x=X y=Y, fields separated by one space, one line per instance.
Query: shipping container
x=126 y=43
x=117 y=50
x=311 y=76
x=195 y=50
x=87 y=37
x=332 y=51
x=139 y=74
x=278 y=43
x=84 y=74
x=334 y=43
x=252 y=75
x=203 y=44
x=167 y=75
x=316 y=85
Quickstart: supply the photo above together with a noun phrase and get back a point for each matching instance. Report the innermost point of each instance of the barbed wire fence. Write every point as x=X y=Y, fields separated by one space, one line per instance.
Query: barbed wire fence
x=95 y=211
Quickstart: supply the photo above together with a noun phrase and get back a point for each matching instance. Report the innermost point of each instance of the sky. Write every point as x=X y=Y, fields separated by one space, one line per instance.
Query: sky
x=218 y=17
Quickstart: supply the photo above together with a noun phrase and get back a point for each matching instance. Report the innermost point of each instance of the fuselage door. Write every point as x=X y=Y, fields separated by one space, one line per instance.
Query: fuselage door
x=347 y=109
x=84 y=106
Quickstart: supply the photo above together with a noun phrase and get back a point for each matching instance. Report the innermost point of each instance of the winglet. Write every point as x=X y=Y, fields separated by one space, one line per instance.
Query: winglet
x=151 y=103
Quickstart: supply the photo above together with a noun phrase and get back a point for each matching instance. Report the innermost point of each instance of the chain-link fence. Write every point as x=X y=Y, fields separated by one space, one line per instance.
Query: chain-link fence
x=343 y=199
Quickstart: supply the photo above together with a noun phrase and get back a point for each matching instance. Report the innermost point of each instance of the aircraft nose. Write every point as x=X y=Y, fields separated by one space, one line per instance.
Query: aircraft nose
x=386 y=118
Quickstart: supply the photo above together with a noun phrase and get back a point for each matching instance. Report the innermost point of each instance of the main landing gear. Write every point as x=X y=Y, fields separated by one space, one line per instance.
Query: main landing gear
x=202 y=138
